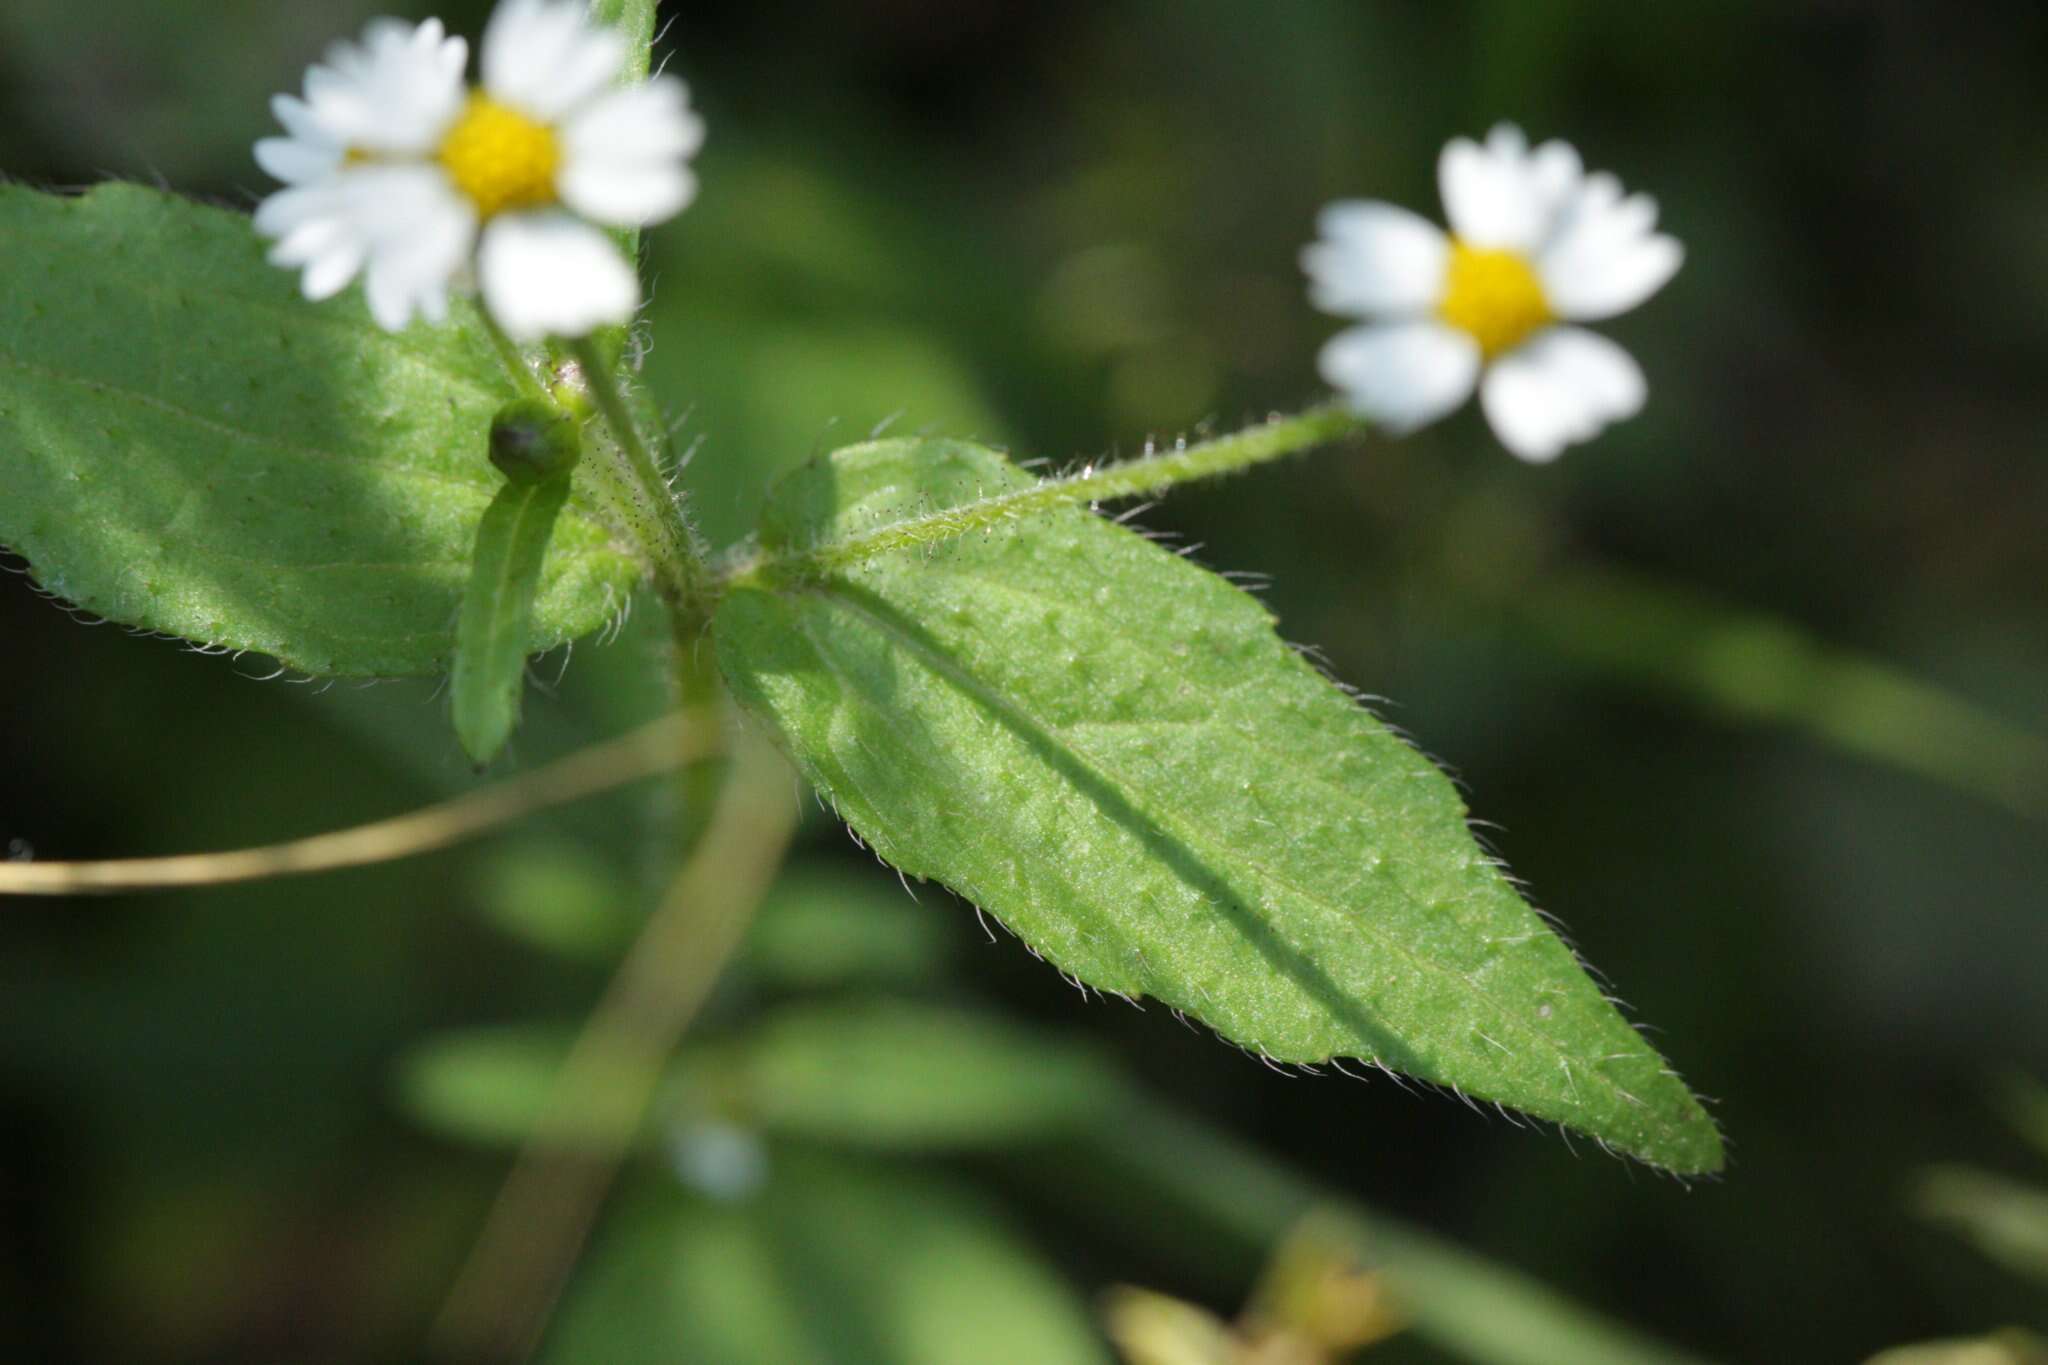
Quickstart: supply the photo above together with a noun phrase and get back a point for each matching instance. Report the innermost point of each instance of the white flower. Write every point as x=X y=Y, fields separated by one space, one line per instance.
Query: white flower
x=396 y=171
x=1536 y=244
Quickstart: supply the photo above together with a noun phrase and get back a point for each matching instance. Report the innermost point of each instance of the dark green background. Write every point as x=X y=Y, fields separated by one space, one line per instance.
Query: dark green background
x=1067 y=228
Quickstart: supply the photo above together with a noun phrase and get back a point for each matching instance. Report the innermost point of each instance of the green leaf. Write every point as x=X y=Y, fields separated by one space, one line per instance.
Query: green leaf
x=833 y=1263
x=2013 y=1346
x=819 y=929
x=487 y=1086
x=189 y=446
x=562 y=897
x=873 y=1073
x=1112 y=750
x=2005 y=1219
x=497 y=613
x=894 y=1074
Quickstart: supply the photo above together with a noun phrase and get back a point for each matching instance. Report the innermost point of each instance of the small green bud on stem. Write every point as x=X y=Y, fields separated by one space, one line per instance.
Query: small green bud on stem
x=534 y=441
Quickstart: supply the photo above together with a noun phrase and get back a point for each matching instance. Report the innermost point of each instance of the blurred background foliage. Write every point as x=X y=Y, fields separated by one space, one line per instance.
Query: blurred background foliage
x=1794 y=808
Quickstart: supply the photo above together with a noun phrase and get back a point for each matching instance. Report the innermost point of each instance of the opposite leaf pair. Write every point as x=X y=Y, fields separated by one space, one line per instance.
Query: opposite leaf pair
x=1104 y=744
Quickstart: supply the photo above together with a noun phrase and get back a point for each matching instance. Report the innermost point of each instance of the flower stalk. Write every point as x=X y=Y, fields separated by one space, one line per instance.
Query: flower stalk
x=638 y=495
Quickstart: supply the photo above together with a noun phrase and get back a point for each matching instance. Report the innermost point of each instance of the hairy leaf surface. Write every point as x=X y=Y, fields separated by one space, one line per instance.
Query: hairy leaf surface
x=1111 y=749
x=189 y=446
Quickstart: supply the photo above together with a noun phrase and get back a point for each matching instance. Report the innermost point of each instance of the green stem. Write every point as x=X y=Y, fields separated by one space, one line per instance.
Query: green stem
x=1149 y=474
x=632 y=486
x=634 y=499
x=1755 y=667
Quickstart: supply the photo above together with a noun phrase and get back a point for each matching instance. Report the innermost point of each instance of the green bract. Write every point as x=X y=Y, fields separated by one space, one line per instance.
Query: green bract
x=497 y=609
x=1111 y=749
x=534 y=441
x=188 y=445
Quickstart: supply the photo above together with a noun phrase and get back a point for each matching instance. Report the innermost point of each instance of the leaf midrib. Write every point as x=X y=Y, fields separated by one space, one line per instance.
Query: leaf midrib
x=888 y=718
x=1021 y=716
x=1207 y=721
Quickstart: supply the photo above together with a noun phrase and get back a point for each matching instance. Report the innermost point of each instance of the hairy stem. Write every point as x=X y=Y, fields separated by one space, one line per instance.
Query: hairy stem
x=633 y=489
x=503 y=1298
x=621 y=474
x=1146 y=475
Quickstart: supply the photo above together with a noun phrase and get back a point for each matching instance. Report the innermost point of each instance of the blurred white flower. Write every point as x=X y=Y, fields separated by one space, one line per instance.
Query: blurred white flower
x=1536 y=244
x=395 y=171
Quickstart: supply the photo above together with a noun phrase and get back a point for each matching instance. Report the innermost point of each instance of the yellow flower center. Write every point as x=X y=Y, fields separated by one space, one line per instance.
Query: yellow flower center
x=1495 y=296
x=500 y=158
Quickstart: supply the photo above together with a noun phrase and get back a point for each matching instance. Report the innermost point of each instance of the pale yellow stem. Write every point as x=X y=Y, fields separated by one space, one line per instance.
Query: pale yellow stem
x=506 y=1291
x=662 y=746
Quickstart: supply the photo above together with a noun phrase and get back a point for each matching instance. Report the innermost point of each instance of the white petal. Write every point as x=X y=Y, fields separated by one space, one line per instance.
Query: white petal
x=1607 y=261
x=447 y=58
x=547 y=274
x=395 y=91
x=647 y=122
x=1555 y=175
x=328 y=275
x=1492 y=195
x=545 y=57
x=1561 y=388
x=311 y=240
x=424 y=239
x=296 y=116
x=404 y=227
x=626 y=194
x=624 y=154
x=296 y=161
x=1590 y=285
x=1375 y=259
x=281 y=213
x=1605 y=256
x=1402 y=374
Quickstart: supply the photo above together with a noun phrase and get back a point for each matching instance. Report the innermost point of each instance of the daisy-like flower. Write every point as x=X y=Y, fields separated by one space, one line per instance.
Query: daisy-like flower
x=395 y=171
x=1536 y=245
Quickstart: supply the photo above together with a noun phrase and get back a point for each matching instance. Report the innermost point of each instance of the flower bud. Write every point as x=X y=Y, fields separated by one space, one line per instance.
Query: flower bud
x=534 y=441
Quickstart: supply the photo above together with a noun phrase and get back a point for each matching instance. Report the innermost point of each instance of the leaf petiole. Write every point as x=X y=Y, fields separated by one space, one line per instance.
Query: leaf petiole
x=1274 y=439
